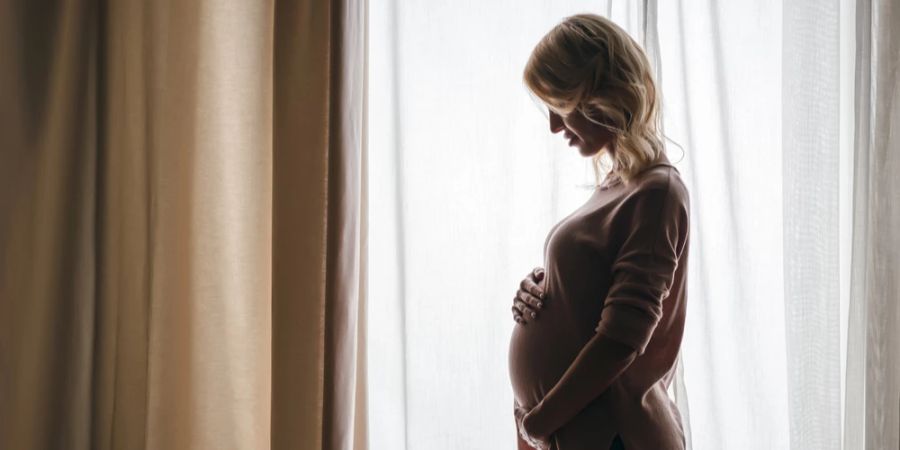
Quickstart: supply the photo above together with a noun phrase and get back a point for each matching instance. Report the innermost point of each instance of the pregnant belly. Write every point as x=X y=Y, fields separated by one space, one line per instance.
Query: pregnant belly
x=539 y=354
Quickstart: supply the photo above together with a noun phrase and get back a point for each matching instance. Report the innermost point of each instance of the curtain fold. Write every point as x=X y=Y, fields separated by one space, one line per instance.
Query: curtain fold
x=48 y=136
x=319 y=225
x=872 y=415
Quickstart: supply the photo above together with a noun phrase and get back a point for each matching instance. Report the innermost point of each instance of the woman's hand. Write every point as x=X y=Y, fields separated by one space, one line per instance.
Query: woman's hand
x=530 y=296
x=537 y=442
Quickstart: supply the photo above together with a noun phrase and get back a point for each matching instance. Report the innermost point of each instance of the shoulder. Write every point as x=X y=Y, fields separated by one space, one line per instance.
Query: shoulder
x=657 y=204
x=663 y=182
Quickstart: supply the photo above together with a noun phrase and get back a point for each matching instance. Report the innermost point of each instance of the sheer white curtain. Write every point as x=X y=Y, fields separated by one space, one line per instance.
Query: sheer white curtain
x=754 y=92
x=466 y=180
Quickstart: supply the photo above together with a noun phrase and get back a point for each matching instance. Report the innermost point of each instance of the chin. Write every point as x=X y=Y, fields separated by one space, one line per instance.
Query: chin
x=588 y=152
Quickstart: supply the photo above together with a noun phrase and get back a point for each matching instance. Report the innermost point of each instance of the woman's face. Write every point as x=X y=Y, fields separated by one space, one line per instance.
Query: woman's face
x=589 y=137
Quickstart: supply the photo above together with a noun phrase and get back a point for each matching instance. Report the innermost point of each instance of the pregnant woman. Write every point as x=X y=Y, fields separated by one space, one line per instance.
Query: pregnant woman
x=592 y=371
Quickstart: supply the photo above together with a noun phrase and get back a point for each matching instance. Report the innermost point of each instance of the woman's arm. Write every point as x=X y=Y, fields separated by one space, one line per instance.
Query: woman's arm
x=598 y=364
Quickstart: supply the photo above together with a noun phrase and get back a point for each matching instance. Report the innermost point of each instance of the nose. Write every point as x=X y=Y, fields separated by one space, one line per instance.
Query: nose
x=556 y=123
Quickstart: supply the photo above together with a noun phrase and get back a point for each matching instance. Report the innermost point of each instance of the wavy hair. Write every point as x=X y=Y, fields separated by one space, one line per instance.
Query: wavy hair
x=587 y=63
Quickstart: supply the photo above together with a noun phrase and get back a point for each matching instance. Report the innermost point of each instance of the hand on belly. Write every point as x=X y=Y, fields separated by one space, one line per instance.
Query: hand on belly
x=530 y=296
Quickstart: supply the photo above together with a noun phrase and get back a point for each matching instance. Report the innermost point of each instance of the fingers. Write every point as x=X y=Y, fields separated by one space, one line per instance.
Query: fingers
x=524 y=310
x=528 y=285
x=533 y=304
x=529 y=297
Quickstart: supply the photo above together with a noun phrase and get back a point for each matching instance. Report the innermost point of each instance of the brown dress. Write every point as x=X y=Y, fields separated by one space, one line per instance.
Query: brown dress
x=623 y=253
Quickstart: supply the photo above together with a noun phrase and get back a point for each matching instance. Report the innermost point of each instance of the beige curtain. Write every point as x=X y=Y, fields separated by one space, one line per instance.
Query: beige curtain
x=319 y=212
x=181 y=216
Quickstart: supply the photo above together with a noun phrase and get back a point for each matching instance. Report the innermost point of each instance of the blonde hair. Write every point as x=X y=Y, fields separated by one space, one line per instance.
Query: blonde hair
x=587 y=63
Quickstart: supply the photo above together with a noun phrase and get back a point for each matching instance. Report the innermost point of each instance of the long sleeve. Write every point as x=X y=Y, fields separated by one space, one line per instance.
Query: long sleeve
x=644 y=266
x=653 y=222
